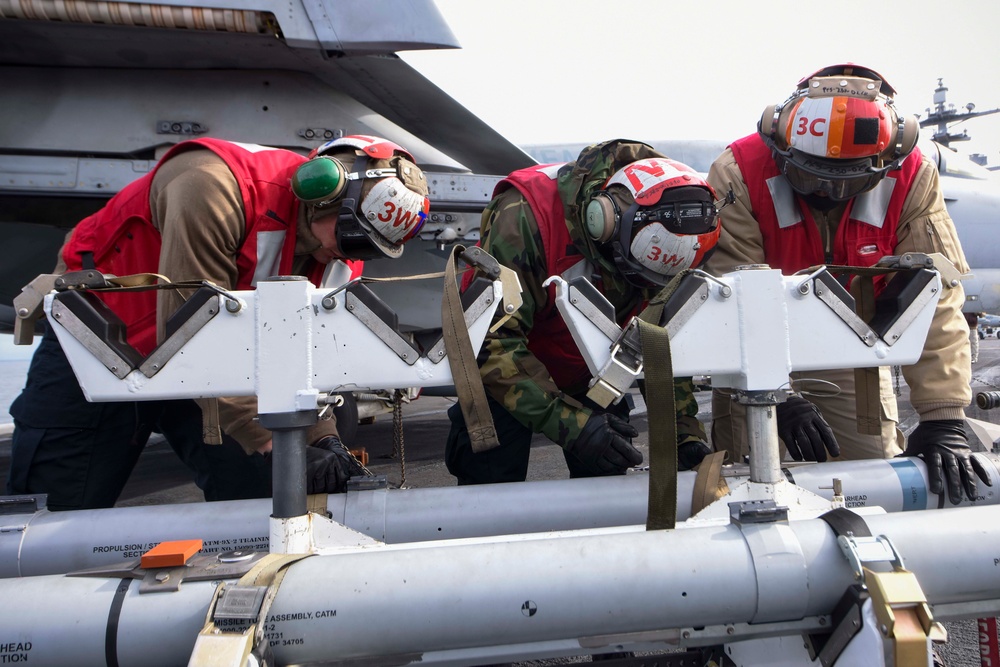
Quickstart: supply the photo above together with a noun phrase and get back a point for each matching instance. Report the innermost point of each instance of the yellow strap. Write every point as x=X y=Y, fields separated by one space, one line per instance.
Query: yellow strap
x=228 y=649
x=316 y=504
x=709 y=485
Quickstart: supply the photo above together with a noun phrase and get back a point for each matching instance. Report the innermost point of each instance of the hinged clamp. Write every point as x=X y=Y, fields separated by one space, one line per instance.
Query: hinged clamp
x=621 y=370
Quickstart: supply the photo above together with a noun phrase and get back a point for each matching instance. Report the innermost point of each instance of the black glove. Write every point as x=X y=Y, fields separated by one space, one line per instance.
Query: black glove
x=329 y=465
x=605 y=444
x=943 y=446
x=690 y=454
x=805 y=433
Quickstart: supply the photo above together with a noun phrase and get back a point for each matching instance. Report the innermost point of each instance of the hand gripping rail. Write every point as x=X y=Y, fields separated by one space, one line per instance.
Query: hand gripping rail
x=286 y=342
x=750 y=328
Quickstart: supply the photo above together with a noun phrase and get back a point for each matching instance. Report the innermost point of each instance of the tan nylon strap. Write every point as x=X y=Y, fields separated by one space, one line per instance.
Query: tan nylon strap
x=462 y=359
x=268 y=571
x=317 y=504
x=661 y=411
x=709 y=485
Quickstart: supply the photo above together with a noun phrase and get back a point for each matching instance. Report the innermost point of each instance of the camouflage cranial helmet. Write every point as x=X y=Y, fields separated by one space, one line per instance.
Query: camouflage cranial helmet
x=839 y=133
x=658 y=216
x=374 y=186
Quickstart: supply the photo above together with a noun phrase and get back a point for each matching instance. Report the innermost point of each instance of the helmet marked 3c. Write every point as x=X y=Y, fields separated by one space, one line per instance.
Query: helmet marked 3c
x=839 y=133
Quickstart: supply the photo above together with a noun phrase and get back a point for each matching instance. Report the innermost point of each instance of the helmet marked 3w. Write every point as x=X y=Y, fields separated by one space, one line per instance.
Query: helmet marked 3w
x=382 y=199
x=839 y=133
x=669 y=222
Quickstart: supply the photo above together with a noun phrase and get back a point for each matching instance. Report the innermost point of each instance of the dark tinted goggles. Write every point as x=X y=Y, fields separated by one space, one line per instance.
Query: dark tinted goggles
x=680 y=217
x=839 y=180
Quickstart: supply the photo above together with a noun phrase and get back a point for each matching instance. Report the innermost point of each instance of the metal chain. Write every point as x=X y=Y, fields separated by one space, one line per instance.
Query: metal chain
x=896 y=372
x=397 y=434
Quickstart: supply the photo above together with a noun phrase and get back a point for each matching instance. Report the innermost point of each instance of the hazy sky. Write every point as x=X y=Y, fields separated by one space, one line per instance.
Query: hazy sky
x=543 y=71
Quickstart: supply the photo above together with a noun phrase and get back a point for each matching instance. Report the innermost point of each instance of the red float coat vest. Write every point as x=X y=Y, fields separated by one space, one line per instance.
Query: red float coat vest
x=866 y=233
x=549 y=340
x=120 y=238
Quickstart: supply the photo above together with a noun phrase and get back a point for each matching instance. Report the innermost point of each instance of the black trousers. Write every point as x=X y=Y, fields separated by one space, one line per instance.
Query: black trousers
x=509 y=461
x=81 y=453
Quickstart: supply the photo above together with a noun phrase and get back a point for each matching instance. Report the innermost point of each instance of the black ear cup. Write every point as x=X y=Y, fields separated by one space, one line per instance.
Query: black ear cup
x=601 y=217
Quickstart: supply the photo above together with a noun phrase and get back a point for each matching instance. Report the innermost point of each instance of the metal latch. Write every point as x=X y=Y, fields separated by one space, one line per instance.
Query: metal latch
x=756 y=511
x=898 y=602
x=28 y=307
x=619 y=373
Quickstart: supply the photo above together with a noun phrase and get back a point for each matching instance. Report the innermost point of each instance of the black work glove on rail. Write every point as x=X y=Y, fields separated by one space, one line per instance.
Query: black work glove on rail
x=944 y=447
x=805 y=433
x=691 y=453
x=605 y=444
x=328 y=466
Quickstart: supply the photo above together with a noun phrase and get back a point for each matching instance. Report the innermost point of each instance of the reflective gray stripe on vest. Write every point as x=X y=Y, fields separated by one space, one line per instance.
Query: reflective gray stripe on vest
x=870 y=207
x=783 y=198
x=269 y=245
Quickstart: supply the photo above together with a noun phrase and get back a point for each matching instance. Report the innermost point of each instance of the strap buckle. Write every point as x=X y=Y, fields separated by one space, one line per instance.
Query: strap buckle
x=624 y=365
x=899 y=603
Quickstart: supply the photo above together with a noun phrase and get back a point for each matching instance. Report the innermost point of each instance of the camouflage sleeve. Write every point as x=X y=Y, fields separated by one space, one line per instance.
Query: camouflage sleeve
x=689 y=428
x=512 y=375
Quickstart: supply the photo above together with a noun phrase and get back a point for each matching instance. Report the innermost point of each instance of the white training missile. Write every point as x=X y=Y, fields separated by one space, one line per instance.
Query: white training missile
x=43 y=542
x=511 y=597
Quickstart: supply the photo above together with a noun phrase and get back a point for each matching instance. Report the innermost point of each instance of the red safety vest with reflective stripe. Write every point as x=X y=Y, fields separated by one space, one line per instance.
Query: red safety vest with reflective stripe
x=549 y=340
x=121 y=240
x=797 y=245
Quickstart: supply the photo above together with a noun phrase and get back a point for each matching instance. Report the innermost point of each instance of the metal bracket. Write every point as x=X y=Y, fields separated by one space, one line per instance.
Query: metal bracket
x=202 y=567
x=692 y=292
x=480 y=304
x=28 y=306
x=832 y=293
x=191 y=325
x=84 y=279
x=27 y=504
x=622 y=368
x=111 y=358
x=756 y=511
x=898 y=601
x=860 y=550
x=357 y=303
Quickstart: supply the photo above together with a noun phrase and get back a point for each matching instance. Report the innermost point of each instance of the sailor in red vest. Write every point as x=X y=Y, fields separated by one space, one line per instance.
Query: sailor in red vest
x=833 y=176
x=627 y=218
x=232 y=214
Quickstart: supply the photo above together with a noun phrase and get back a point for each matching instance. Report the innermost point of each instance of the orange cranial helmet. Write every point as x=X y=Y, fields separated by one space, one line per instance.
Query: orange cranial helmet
x=839 y=132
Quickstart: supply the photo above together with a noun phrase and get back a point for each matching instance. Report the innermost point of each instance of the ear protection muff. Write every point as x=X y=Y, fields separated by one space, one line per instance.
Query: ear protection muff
x=320 y=180
x=602 y=217
x=906 y=135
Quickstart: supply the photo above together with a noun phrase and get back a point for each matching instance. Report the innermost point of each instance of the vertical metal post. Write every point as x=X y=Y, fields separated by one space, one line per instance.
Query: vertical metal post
x=286 y=401
x=288 y=473
x=762 y=436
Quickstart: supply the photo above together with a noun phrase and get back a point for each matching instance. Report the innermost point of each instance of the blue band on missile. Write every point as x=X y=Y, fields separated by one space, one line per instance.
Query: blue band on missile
x=911 y=484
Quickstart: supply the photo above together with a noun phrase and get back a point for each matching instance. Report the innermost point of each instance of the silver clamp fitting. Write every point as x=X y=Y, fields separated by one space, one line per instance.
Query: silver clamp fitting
x=622 y=368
